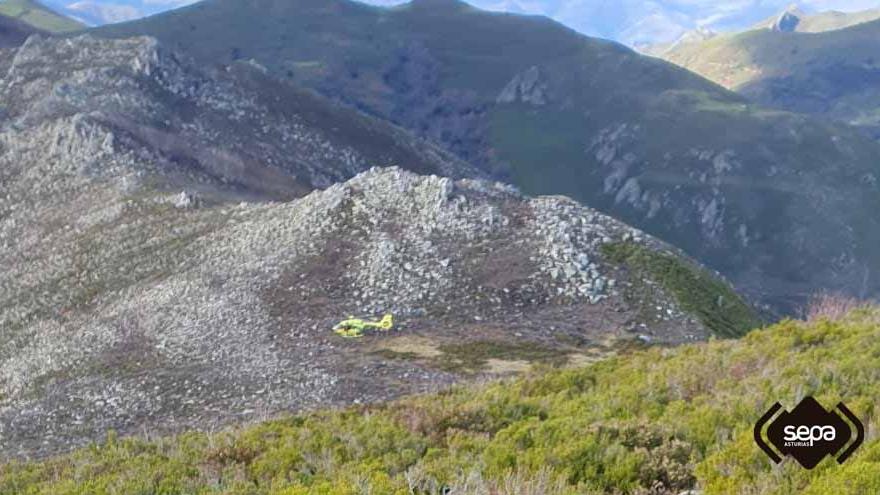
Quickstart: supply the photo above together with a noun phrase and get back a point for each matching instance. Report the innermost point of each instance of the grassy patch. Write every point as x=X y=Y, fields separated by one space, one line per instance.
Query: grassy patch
x=469 y=357
x=391 y=354
x=696 y=290
x=474 y=357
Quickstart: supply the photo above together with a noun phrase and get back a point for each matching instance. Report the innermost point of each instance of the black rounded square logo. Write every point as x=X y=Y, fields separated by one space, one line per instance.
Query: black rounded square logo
x=809 y=433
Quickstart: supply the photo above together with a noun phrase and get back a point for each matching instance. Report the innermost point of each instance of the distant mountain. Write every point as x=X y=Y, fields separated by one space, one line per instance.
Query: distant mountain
x=96 y=13
x=39 y=16
x=691 y=37
x=809 y=69
x=756 y=194
x=803 y=22
x=793 y=19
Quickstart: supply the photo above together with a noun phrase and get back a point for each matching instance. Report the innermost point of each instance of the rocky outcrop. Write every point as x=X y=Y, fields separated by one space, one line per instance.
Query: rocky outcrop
x=526 y=88
x=141 y=312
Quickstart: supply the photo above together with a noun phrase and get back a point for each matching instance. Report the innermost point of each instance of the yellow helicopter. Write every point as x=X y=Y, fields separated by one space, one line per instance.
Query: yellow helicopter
x=353 y=328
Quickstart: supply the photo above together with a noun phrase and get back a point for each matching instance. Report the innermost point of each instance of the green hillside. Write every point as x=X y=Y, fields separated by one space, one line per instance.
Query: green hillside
x=39 y=16
x=656 y=421
x=833 y=73
x=738 y=187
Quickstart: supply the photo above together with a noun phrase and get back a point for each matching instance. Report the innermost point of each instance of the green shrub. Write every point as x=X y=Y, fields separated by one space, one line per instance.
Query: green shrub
x=697 y=291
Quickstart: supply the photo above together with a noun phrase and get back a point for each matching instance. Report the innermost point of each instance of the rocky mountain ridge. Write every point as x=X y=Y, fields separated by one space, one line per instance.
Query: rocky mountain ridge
x=233 y=128
x=160 y=274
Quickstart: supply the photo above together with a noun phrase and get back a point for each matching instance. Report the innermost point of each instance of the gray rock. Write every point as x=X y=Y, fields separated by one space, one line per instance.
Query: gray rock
x=186 y=200
x=787 y=22
x=526 y=87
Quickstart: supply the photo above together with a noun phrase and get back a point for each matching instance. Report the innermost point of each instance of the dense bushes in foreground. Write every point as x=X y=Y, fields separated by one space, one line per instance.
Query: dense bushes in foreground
x=653 y=422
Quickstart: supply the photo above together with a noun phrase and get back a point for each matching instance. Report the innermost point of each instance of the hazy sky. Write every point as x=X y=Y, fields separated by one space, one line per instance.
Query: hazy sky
x=628 y=21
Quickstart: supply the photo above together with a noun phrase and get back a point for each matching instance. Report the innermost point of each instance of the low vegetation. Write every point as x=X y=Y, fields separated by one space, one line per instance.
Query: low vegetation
x=474 y=356
x=696 y=290
x=657 y=421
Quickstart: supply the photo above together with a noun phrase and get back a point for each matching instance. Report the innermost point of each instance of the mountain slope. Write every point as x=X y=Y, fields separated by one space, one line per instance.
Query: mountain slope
x=151 y=279
x=832 y=73
x=744 y=190
x=39 y=16
x=13 y=32
x=662 y=422
x=236 y=132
